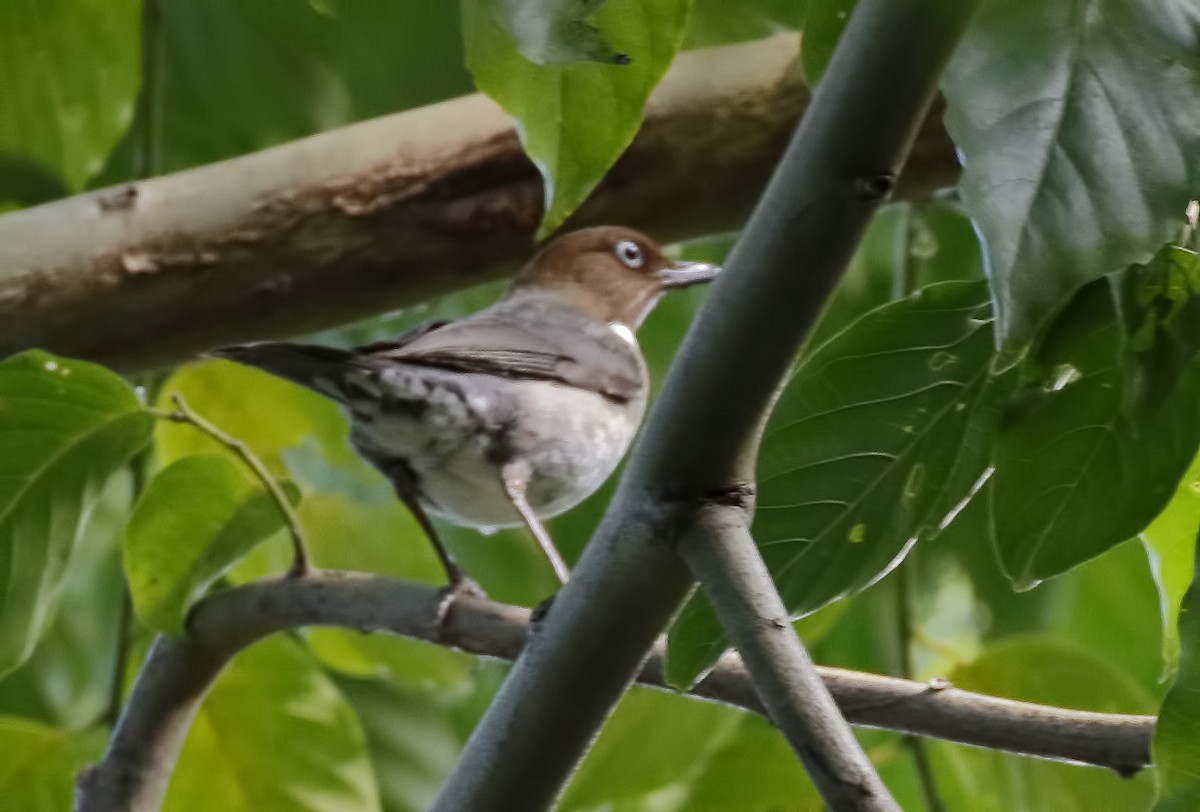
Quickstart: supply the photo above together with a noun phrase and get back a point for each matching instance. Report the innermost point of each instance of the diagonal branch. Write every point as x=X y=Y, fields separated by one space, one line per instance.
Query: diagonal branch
x=700 y=444
x=141 y=754
x=380 y=215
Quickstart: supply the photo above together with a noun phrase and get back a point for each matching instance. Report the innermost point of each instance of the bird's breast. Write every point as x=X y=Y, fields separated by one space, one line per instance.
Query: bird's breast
x=569 y=440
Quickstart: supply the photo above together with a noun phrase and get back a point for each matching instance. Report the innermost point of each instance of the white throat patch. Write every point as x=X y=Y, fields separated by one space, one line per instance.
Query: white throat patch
x=624 y=333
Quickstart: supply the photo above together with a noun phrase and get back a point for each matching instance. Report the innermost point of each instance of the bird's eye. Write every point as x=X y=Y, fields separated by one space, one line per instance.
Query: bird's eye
x=629 y=253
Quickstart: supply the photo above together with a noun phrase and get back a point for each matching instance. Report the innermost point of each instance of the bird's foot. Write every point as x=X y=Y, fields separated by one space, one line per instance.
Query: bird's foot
x=460 y=586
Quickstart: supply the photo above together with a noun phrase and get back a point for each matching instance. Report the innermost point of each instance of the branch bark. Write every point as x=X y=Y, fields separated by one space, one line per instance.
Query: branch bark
x=630 y=582
x=134 y=772
x=382 y=214
x=722 y=555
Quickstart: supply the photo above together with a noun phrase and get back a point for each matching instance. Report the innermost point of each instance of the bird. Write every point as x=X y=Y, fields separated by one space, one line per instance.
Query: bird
x=511 y=415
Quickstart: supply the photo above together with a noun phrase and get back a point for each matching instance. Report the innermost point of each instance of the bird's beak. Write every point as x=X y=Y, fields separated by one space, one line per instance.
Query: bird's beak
x=686 y=274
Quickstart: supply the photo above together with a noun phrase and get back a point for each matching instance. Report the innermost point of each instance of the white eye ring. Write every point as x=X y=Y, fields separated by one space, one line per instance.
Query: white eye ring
x=629 y=253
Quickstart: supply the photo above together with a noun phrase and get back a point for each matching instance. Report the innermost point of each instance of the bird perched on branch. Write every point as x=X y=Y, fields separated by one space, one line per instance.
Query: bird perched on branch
x=516 y=413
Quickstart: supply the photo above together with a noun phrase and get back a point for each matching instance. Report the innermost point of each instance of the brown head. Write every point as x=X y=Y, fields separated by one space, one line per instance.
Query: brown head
x=613 y=274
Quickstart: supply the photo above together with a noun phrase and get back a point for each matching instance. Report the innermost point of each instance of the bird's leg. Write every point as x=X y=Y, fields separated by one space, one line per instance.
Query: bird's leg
x=406 y=489
x=515 y=480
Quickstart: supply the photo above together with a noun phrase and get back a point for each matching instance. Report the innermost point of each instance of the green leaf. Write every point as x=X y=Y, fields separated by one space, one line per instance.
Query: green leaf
x=823 y=27
x=555 y=32
x=65 y=426
x=68 y=679
x=1176 y=747
x=862 y=446
x=274 y=733
x=194 y=520
x=1076 y=471
x=575 y=120
x=1038 y=669
x=1171 y=546
x=37 y=773
x=1079 y=127
x=71 y=72
x=239 y=77
x=719 y=22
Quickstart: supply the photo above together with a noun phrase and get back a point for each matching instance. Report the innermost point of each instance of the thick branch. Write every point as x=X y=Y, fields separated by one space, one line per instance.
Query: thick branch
x=379 y=215
x=136 y=768
x=721 y=553
x=702 y=435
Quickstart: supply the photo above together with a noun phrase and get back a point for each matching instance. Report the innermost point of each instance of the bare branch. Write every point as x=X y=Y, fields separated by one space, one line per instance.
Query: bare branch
x=380 y=215
x=141 y=755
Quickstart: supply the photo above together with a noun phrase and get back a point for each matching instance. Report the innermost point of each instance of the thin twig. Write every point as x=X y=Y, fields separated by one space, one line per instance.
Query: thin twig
x=184 y=414
x=141 y=755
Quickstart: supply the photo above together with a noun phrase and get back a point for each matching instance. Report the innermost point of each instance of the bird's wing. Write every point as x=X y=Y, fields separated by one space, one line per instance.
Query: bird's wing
x=493 y=345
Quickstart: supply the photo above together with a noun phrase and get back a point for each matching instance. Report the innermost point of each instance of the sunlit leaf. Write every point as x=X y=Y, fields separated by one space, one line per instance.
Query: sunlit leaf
x=195 y=519
x=1079 y=127
x=1176 y=745
x=65 y=426
x=70 y=80
x=551 y=32
x=37 y=773
x=274 y=733
x=1171 y=544
x=575 y=120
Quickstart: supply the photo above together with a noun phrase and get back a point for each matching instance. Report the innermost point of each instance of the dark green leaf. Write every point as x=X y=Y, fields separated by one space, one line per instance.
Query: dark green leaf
x=1038 y=669
x=239 y=77
x=274 y=733
x=1176 y=745
x=70 y=78
x=1076 y=471
x=861 y=448
x=38 y=770
x=575 y=120
x=1079 y=125
x=65 y=426
x=195 y=519
x=719 y=22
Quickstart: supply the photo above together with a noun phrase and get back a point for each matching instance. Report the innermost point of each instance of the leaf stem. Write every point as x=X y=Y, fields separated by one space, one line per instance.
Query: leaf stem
x=184 y=414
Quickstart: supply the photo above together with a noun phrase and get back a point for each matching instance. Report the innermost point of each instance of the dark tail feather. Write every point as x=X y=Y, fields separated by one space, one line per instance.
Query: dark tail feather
x=321 y=369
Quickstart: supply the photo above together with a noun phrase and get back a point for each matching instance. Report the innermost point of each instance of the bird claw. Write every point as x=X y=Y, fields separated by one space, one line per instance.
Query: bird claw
x=460 y=586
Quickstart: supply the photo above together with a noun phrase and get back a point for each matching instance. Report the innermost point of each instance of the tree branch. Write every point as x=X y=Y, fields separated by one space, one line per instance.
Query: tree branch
x=134 y=772
x=380 y=215
x=721 y=554
x=701 y=438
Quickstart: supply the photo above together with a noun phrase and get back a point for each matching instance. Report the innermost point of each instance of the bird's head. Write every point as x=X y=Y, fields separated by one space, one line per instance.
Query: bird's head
x=612 y=273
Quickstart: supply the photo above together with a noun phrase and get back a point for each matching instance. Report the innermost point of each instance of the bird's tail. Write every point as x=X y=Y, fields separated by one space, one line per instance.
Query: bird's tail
x=321 y=369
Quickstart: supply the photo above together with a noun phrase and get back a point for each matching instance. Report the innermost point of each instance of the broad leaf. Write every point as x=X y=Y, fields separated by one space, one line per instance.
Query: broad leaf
x=1079 y=127
x=860 y=450
x=274 y=733
x=550 y=32
x=70 y=79
x=195 y=519
x=1038 y=669
x=37 y=773
x=575 y=120
x=65 y=426
x=1079 y=468
x=1176 y=745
